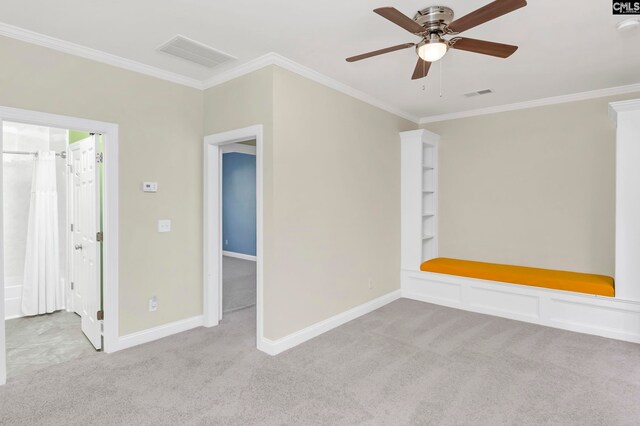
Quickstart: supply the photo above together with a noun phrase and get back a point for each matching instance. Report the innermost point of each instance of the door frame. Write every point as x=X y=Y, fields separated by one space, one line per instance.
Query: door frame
x=110 y=216
x=212 y=223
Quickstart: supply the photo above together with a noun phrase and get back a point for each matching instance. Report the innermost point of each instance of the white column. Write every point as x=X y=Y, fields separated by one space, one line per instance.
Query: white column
x=626 y=115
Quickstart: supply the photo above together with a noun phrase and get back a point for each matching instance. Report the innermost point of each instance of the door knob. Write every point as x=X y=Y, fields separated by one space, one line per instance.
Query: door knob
x=78 y=246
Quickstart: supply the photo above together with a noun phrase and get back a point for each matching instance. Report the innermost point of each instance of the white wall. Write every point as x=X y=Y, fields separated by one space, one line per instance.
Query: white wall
x=18 y=170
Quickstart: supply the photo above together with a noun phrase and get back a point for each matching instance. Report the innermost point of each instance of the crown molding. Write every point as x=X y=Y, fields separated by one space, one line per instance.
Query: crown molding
x=310 y=74
x=243 y=69
x=622 y=106
x=95 y=55
x=593 y=94
x=289 y=65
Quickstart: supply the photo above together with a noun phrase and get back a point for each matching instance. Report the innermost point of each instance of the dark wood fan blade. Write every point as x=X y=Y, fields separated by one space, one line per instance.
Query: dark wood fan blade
x=421 y=70
x=485 y=14
x=485 y=47
x=379 y=52
x=398 y=18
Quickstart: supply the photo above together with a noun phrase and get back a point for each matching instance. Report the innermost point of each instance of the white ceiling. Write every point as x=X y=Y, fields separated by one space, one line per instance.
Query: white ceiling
x=566 y=46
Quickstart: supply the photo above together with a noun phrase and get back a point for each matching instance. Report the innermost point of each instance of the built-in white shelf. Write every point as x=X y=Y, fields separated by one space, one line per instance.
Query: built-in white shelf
x=419 y=197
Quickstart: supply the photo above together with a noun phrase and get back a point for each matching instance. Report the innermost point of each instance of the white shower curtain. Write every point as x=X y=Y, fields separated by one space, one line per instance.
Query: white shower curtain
x=41 y=290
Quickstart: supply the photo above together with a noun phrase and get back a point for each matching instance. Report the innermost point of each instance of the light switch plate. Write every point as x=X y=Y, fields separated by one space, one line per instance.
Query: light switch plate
x=164 y=225
x=150 y=186
x=153 y=304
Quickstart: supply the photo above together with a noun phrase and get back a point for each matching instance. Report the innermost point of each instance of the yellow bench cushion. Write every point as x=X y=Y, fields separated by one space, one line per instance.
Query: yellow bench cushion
x=547 y=278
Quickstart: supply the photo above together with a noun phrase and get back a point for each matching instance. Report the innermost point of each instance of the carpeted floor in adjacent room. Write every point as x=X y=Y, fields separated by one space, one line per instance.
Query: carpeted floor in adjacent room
x=406 y=363
x=238 y=283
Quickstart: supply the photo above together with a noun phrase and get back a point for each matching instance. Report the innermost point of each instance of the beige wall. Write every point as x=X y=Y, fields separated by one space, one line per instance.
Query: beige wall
x=337 y=204
x=160 y=140
x=331 y=182
x=332 y=193
x=533 y=187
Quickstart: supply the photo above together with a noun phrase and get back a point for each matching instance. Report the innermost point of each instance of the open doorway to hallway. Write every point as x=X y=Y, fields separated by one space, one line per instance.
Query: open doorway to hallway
x=239 y=278
x=52 y=245
x=251 y=138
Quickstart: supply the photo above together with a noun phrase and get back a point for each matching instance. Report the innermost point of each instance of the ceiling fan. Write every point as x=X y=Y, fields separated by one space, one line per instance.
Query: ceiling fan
x=435 y=22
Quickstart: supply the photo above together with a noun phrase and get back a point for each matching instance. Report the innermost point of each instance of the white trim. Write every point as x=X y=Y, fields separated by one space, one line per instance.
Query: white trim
x=212 y=224
x=622 y=106
x=583 y=313
x=289 y=65
x=3 y=351
x=581 y=96
x=239 y=255
x=274 y=347
x=95 y=55
x=109 y=132
x=159 y=332
x=238 y=147
x=273 y=58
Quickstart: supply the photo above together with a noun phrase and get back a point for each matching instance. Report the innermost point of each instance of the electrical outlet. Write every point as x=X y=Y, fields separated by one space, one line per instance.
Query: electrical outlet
x=153 y=304
x=226 y=242
x=370 y=284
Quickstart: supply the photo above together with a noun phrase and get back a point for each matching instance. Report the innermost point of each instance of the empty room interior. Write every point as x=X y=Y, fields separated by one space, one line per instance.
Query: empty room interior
x=344 y=213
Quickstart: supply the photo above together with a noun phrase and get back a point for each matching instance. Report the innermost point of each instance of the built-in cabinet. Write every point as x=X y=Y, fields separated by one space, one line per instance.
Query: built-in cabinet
x=617 y=318
x=626 y=115
x=419 y=194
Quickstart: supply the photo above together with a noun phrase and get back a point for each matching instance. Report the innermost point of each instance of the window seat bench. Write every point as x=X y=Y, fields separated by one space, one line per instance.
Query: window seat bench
x=547 y=278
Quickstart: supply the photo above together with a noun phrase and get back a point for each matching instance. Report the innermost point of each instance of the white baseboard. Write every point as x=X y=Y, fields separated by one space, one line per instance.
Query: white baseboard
x=583 y=313
x=274 y=347
x=155 y=333
x=13 y=308
x=238 y=255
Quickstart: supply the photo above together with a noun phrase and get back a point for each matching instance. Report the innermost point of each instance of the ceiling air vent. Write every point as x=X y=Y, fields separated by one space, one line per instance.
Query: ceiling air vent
x=478 y=93
x=194 y=51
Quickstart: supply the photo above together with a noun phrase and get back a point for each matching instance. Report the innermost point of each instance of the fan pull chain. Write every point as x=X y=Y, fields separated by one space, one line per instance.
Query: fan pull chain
x=440 y=77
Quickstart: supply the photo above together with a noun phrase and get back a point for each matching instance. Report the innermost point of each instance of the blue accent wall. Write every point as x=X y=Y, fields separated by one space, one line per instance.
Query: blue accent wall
x=239 y=203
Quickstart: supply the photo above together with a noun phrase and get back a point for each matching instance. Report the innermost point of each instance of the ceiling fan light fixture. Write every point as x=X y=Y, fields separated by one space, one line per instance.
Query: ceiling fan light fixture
x=432 y=49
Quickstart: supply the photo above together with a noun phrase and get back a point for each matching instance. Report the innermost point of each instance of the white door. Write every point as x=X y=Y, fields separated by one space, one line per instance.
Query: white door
x=85 y=218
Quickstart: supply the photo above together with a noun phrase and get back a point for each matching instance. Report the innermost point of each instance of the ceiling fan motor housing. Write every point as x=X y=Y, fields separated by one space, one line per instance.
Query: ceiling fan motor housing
x=434 y=18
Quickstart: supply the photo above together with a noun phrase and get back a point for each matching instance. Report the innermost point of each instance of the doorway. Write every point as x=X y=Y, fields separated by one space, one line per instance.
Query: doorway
x=238 y=226
x=220 y=247
x=52 y=278
x=69 y=232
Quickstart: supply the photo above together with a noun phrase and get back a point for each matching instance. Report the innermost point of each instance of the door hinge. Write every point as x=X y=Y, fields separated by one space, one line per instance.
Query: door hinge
x=100 y=315
x=72 y=285
x=99 y=237
x=99 y=157
x=72 y=227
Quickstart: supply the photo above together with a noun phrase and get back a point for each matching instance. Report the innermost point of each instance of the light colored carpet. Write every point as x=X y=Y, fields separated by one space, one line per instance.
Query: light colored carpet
x=238 y=283
x=406 y=363
x=34 y=343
